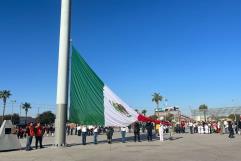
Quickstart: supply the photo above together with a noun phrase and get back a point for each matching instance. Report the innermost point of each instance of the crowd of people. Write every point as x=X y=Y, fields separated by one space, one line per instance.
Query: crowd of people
x=34 y=130
x=84 y=131
x=37 y=131
x=21 y=131
x=209 y=127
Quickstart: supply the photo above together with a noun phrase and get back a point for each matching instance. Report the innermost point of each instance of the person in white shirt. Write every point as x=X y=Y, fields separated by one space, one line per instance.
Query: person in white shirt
x=191 y=127
x=199 y=128
x=84 y=133
x=205 y=128
x=226 y=126
x=95 y=134
x=161 y=130
x=123 y=134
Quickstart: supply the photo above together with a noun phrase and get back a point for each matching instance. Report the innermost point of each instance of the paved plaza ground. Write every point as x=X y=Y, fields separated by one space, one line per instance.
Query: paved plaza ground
x=184 y=147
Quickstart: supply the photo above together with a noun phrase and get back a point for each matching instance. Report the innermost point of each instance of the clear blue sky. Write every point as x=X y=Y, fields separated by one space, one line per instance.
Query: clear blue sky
x=188 y=50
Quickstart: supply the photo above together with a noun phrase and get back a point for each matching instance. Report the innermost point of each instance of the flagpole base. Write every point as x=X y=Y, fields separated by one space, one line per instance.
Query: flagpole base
x=60 y=125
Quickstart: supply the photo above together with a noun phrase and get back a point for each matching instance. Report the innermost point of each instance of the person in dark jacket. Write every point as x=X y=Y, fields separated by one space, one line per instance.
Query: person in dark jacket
x=149 y=128
x=239 y=127
x=109 y=134
x=230 y=129
x=39 y=132
x=137 y=131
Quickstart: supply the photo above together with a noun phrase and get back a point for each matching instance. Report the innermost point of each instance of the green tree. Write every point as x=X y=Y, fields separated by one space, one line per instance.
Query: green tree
x=169 y=117
x=137 y=110
x=46 y=117
x=234 y=117
x=157 y=98
x=204 y=109
x=26 y=106
x=4 y=95
x=144 y=112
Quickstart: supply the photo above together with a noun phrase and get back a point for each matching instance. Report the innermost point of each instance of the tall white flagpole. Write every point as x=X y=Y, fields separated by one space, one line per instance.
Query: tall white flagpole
x=63 y=74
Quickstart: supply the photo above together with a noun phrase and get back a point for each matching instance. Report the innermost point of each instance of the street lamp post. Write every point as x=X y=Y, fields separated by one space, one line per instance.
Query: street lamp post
x=12 y=101
x=20 y=107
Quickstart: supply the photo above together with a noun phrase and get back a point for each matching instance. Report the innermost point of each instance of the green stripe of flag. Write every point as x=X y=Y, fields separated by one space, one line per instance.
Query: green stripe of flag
x=86 y=93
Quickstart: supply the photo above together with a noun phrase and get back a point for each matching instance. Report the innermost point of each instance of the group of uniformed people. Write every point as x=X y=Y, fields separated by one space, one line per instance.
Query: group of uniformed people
x=123 y=130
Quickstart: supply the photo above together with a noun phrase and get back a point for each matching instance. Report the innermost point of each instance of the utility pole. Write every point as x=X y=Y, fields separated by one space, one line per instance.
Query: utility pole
x=20 y=107
x=12 y=101
x=63 y=74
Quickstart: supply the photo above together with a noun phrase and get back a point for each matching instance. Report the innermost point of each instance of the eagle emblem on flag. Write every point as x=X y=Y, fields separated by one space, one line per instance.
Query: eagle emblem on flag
x=120 y=108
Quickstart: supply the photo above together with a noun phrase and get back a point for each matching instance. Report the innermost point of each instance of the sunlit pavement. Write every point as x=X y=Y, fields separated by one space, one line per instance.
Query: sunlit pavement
x=183 y=147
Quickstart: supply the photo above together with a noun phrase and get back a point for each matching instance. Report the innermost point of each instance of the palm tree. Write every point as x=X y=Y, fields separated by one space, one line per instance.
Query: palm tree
x=137 y=110
x=156 y=97
x=4 y=95
x=204 y=109
x=26 y=106
x=144 y=112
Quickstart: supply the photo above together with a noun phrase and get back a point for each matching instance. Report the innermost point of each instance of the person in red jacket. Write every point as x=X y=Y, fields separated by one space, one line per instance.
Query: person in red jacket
x=39 y=131
x=30 y=134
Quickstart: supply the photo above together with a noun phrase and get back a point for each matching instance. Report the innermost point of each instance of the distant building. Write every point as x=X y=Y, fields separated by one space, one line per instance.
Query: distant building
x=29 y=119
x=174 y=110
x=215 y=112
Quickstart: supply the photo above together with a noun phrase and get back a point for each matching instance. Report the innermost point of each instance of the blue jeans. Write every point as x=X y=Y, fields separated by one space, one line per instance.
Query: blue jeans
x=95 y=137
x=84 y=138
x=29 y=142
x=149 y=135
x=123 y=135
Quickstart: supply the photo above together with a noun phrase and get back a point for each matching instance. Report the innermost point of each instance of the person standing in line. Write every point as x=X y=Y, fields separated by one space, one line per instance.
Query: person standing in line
x=75 y=130
x=236 y=127
x=109 y=133
x=79 y=130
x=84 y=133
x=230 y=129
x=178 y=130
x=210 y=127
x=195 y=127
x=225 y=126
x=183 y=126
x=19 y=131
x=71 y=129
x=239 y=127
x=30 y=135
x=95 y=134
x=137 y=132
x=39 y=132
x=47 y=130
x=161 y=130
x=199 y=128
x=149 y=128
x=143 y=127
x=219 y=127
x=68 y=129
x=222 y=128
x=52 y=130
x=205 y=128
x=123 y=134
x=191 y=127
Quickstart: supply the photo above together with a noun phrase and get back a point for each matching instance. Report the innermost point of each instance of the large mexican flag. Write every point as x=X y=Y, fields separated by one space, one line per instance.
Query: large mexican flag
x=92 y=102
